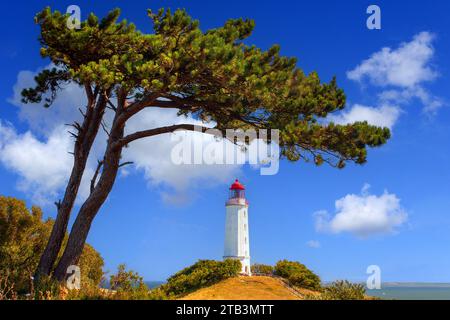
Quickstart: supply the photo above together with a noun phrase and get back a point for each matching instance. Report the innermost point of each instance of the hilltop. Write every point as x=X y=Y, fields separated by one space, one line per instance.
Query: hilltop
x=249 y=288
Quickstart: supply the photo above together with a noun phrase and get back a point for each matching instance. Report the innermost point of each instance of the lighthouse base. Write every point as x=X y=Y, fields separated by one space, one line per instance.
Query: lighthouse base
x=245 y=262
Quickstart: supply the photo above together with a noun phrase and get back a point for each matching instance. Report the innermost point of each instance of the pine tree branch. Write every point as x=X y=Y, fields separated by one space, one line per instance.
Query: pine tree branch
x=94 y=178
x=105 y=129
x=82 y=113
x=168 y=129
x=111 y=105
x=58 y=204
x=125 y=163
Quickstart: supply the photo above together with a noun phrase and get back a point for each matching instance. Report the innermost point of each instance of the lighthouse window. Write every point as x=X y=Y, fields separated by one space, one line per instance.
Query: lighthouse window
x=245 y=240
x=245 y=227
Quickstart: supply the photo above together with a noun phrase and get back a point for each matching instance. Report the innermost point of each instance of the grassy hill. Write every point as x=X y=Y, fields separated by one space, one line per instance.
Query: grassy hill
x=249 y=288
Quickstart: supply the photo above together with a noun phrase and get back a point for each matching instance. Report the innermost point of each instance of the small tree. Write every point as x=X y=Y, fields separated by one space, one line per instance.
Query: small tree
x=344 y=290
x=297 y=274
x=211 y=75
x=128 y=284
x=259 y=268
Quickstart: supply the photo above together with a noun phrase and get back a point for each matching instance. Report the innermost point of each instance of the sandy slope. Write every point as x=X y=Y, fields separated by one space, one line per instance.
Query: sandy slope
x=247 y=288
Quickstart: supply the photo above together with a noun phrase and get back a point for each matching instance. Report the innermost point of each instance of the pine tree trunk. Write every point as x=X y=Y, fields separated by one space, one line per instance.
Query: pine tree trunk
x=83 y=145
x=54 y=243
x=90 y=208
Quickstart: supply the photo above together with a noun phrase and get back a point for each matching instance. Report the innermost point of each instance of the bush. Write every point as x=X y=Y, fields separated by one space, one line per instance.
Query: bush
x=87 y=291
x=344 y=290
x=201 y=274
x=47 y=289
x=23 y=237
x=259 y=268
x=128 y=285
x=297 y=274
x=7 y=291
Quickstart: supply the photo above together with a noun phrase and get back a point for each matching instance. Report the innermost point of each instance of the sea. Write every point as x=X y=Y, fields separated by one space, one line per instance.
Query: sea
x=153 y=284
x=412 y=291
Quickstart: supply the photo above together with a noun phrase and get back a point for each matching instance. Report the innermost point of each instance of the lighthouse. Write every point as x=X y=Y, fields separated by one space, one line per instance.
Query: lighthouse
x=236 y=227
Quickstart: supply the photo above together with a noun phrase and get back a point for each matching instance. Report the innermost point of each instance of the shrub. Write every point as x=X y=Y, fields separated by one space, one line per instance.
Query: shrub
x=297 y=274
x=259 y=268
x=128 y=284
x=201 y=274
x=23 y=236
x=7 y=291
x=344 y=290
x=47 y=289
x=88 y=291
x=157 y=294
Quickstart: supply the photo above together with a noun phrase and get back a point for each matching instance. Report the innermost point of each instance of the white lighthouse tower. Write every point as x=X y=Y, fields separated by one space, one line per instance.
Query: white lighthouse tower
x=236 y=227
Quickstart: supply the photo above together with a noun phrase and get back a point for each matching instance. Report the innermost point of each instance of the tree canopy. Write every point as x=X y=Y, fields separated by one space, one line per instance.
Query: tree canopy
x=211 y=75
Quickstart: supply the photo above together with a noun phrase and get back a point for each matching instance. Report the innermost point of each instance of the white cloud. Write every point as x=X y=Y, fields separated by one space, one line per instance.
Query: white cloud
x=313 y=244
x=43 y=120
x=406 y=66
x=47 y=141
x=384 y=116
x=363 y=215
x=430 y=102
x=41 y=165
x=153 y=156
x=402 y=72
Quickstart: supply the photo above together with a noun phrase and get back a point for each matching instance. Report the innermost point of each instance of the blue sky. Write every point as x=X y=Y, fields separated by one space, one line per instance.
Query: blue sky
x=159 y=219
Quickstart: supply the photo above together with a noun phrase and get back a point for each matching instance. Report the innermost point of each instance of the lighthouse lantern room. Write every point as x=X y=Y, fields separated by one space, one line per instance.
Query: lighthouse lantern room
x=237 y=244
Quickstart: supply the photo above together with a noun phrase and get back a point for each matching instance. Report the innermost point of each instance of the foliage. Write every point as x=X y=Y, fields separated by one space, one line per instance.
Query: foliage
x=344 y=290
x=23 y=236
x=86 y=292
x=124 y=285
x=127 y=281
x=259 y=268
x=201 y=274
x=297 y=274
x=128 y=285
x=47 y=288
x=7 y=291
x=91 y=265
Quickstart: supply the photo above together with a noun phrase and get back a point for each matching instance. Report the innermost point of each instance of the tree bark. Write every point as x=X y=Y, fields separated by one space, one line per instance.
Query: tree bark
x=86 y=136
x=91 y=206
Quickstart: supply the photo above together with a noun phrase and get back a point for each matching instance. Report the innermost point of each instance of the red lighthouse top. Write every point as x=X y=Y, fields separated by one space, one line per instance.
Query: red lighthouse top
x=237 y=194
x=237 y=185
